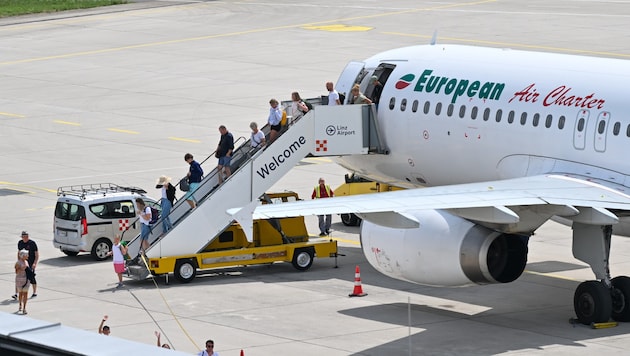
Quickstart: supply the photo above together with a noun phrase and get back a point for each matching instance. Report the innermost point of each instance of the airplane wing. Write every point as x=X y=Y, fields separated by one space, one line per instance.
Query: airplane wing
x=563 y=195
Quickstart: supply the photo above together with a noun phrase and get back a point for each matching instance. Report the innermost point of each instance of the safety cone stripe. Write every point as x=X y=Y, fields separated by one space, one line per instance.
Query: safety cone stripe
x=358 y=290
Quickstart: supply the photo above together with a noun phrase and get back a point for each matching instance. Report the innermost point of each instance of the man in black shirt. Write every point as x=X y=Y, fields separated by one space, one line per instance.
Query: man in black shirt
x=33 y=256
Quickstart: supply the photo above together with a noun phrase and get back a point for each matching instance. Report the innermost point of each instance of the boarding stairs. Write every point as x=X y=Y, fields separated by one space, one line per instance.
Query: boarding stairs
x=324 y=131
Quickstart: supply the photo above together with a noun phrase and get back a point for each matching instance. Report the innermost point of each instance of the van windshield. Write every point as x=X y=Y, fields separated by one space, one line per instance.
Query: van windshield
x=69 y=211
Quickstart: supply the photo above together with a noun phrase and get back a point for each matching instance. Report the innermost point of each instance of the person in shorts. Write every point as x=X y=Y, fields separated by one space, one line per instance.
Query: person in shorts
x=274 y=120
x=118 y=253
x=195 y=175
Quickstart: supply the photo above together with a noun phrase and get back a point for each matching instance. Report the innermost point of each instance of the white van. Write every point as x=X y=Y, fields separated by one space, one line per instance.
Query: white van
x=87 y=217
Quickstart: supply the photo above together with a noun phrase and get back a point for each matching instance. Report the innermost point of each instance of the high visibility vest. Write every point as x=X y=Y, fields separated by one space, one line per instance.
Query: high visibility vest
x=318 y=191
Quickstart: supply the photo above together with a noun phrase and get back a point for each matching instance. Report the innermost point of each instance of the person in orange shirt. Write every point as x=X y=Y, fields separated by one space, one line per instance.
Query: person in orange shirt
x=322 y=190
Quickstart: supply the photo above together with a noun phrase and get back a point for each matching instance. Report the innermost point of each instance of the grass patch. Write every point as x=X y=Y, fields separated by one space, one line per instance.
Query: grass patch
x=23 y=7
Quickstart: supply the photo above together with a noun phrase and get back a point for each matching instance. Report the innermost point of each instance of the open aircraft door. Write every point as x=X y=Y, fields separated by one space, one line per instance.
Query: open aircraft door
x=353 y=73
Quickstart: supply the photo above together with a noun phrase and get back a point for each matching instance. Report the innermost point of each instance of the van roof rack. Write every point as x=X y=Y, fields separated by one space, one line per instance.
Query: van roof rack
x=98 y=188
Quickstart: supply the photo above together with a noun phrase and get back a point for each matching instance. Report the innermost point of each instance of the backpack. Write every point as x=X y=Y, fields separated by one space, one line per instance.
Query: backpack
x=309 y=105
x=170 y=193
x=283 y=121
x=155 y=215
x=342 y=98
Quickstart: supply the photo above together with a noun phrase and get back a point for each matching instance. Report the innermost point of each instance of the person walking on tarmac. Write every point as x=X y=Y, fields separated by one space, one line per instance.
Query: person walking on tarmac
x=322 y=190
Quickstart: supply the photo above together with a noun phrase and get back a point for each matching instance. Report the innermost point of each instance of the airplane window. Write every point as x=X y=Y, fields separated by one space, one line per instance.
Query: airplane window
x=473 y=113
x=580 y=126
x=392 y=103
x=486 y=114
x=499 y=114
x=414 y=106
x=449 y=110
x=536 y=119
x=548 y=121
x=561 y=122
x=616 y=128
x=601 y=127
x=438 y=108
x=523 y=118
x=628 y=131
x=427 y=107
x=462 y=111
x=403 y=105
x=511 y=116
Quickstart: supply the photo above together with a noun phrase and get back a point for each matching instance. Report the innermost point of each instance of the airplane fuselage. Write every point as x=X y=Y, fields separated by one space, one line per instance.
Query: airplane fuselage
x=456 y=114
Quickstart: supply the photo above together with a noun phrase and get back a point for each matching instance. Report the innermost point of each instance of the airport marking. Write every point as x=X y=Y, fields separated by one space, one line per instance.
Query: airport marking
x=12 y=115
x=338 y=28
x=230 y=34
x=124 y=131
x=551 y=275
x=66 y=123
x=184 y=139
x=22 y=187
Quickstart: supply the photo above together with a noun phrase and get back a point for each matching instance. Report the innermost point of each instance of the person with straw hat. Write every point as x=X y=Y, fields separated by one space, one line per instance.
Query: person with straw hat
x=168 y=198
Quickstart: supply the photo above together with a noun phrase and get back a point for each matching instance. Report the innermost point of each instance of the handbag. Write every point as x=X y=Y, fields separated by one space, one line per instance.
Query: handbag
x=183 y=184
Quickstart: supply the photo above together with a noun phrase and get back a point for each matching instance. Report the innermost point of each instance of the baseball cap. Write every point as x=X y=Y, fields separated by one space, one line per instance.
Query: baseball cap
x=24 y=233
x=373 y=78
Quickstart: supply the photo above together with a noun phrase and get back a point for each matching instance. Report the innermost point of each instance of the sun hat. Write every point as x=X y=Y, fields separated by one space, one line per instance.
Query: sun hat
x=163 y=180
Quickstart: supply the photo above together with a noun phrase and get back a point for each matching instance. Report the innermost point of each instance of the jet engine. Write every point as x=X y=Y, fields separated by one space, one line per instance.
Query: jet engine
x=445 y=250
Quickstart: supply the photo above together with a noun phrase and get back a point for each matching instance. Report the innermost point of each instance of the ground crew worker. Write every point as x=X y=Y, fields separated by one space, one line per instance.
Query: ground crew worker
x=323 y=191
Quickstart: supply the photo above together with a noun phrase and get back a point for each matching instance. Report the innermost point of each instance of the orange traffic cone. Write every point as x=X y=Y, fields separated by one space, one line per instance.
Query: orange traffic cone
x=358 y=290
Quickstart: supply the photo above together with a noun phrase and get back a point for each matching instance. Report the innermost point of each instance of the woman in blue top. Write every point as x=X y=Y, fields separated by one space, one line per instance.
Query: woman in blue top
x=195 y=174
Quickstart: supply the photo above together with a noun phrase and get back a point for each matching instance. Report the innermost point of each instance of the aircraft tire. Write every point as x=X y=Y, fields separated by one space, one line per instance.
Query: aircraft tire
x=350 y=219
x=620 y=294
x=592 y=302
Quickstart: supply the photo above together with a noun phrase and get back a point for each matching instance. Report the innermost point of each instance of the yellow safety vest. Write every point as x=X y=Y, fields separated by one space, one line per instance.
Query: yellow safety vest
x=318 y=191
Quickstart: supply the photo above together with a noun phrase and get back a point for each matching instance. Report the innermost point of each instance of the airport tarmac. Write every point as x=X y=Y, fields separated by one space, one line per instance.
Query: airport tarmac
x=121 y=94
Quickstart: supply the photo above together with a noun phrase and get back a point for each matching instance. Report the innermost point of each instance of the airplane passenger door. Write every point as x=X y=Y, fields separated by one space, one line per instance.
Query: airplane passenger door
x=348 y=77
x=579 y=132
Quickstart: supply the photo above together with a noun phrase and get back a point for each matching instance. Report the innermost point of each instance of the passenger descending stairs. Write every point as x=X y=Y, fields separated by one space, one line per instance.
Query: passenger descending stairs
x=319 y=133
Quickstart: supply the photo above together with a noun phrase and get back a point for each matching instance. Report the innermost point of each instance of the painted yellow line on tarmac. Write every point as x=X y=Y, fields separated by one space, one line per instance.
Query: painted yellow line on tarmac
x=124 y=131
x=513 y=45
x=23 y=186
x=184 y=139
x=317 y=160
x=66 y=123
x=352 y=242
x=338 y=28
x=230 y=34
x=11 y=115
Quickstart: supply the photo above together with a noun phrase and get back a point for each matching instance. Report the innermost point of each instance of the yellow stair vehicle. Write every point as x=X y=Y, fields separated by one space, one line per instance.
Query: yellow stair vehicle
x=275 y=240
x=356 y=185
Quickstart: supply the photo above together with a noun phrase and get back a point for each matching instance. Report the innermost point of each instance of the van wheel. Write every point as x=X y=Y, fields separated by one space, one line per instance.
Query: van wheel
x=101 y=249
x=185 y=270
x=303 y=258
x=70 y=253
x=350 y=219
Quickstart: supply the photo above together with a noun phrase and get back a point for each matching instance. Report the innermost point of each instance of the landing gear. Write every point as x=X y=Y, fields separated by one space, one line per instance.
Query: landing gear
x=592 y=302
x=620 y=294
x=598 y=301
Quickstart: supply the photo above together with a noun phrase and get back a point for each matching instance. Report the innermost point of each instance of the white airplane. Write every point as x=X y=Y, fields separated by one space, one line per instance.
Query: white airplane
x=503 y=140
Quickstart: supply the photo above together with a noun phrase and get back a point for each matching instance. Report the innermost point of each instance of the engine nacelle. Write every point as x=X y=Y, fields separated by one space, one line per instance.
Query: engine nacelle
x=445 y=250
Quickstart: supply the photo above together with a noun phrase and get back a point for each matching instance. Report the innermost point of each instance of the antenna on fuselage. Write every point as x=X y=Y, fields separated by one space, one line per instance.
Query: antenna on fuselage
x=434 y=38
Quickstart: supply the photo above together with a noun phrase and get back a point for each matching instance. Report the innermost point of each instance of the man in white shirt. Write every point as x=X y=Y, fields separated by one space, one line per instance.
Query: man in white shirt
x=333 y=96
x=209 y=351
